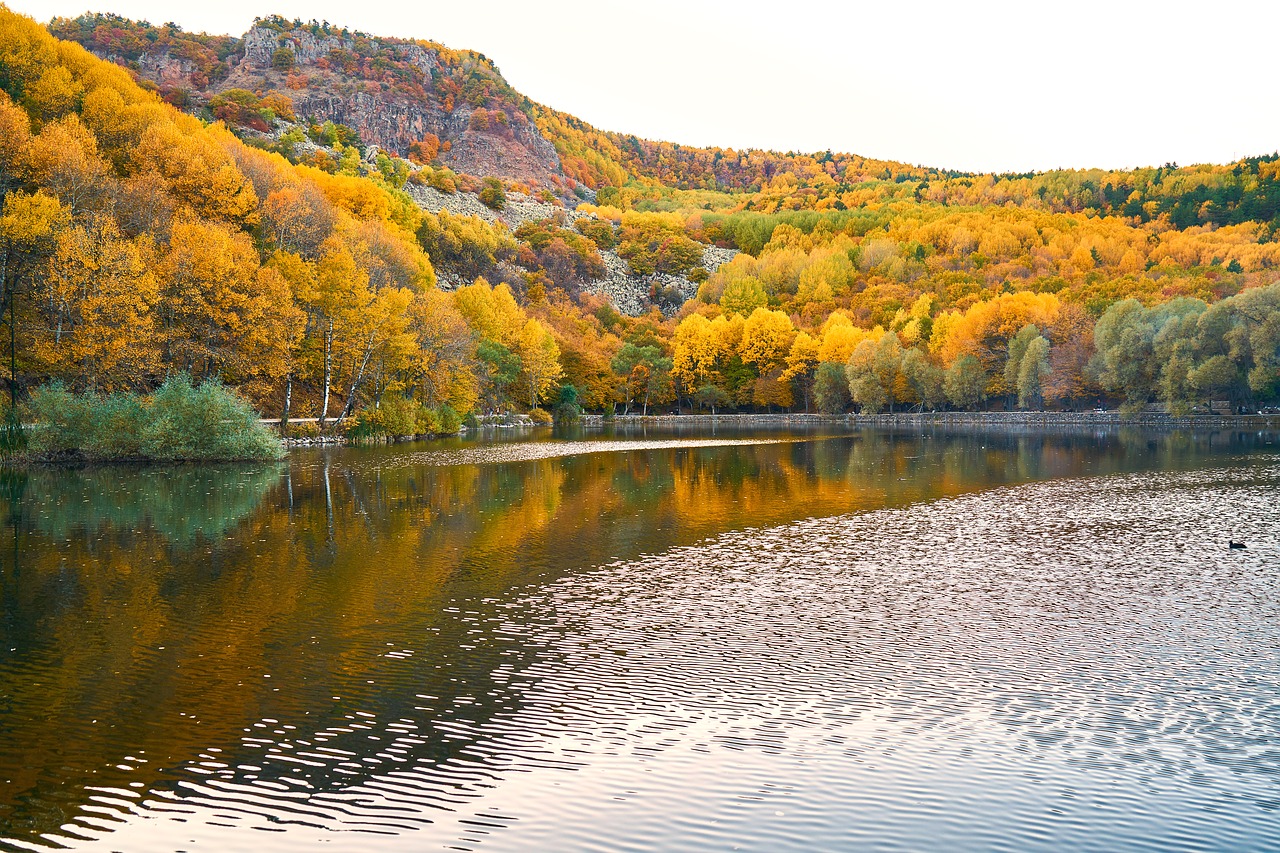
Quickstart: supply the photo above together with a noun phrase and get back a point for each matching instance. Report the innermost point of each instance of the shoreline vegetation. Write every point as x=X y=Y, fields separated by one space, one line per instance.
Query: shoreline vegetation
x=178 y=422
x=208 y=423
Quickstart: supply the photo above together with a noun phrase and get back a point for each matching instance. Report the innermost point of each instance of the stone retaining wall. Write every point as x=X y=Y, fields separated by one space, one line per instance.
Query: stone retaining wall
x=984 y=419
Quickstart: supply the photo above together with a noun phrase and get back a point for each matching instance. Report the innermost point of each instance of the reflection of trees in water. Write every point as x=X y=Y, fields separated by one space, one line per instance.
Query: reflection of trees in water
x=307 y=576
x=178 y=503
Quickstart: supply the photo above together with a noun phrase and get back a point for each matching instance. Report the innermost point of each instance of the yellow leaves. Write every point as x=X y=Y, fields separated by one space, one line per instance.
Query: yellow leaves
x=390 y=257
x=840 y=337
x=15 y=131
x=803 y=357
x=339 y=282
x=985 y=329
x=540 y=359
x=29 y=220
x=492 y=312
x=198 y=171
x=694 y=351
x=64 y=159
x=298 y=274
x=54 y=94
x=26 y=50
x=103 y=295
x=446 y=351
x=766 y=339
x=361 y=198
x=829 y=273
x=219 y=309
x=296 y=220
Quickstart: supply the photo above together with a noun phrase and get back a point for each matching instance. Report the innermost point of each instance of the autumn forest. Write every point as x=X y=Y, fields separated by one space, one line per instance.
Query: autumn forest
x=150 y=228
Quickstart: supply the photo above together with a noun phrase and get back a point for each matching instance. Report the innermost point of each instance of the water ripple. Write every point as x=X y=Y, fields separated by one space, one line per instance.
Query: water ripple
x=1077 y=664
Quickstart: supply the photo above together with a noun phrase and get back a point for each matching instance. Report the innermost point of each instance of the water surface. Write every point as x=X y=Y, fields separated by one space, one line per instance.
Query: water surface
x=799 y=641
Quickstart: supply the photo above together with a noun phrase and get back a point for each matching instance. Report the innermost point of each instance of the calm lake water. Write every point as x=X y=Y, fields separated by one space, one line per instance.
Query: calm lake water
x=651 y=641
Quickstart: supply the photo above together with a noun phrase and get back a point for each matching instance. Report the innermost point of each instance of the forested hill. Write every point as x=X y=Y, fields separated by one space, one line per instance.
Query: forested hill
x=421 y=99
x=345 y=224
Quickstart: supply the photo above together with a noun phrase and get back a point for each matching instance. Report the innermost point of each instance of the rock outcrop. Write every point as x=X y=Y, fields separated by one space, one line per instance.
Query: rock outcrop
x=634 y=294
x=332 y=76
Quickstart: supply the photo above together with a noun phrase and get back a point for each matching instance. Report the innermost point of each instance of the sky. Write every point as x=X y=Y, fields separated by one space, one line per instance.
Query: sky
x=976 y=86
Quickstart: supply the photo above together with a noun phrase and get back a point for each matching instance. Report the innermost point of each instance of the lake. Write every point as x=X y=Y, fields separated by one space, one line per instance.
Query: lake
x=651 y=640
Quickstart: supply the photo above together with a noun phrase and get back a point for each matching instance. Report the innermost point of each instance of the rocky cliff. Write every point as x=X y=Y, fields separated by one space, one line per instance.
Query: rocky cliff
x=392 y=92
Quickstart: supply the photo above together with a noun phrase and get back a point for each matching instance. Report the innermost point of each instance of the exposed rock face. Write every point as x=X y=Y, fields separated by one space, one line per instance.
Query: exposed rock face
x=261 y=43
x=519 y=209
x=390 y=117
x=632 y=294
x=166 y=70
x=521 y=153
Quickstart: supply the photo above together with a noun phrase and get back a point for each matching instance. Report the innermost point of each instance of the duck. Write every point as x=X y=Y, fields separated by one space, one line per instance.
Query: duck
x=1234 y=545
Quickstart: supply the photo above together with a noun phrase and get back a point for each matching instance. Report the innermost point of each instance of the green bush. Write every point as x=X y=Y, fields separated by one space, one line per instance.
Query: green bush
x=450 y=420
x=179 y=422
x=185 y=422
x=568 y=409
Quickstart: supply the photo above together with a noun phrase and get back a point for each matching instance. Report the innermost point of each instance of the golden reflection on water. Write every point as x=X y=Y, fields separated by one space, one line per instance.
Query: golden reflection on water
x=152 y=617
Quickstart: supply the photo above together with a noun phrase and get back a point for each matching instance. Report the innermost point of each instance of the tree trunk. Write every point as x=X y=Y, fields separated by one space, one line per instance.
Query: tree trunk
x=328 y=373
x=288 y=398
x=355 y=382
x=13 y=351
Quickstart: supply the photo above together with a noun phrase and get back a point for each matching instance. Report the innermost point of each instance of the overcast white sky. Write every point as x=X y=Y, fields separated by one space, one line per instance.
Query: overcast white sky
x=981 y=86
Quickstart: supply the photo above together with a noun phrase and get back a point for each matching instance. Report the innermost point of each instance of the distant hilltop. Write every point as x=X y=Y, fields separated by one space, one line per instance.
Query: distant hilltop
x=422 y=99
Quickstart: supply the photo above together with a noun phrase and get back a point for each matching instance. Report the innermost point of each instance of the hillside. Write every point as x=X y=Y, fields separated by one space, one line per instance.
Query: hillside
x=406 y=232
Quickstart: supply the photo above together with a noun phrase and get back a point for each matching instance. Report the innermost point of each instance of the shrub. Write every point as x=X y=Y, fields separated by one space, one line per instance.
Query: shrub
x=306 y=429
x=179 y=422
x=450 y=421
x=118 y=424
x=568 y=409
x=428 y=421
x=442 y=180
x=185 y=422
x=400 y=417
x=541 y=416
x=491 y=194
x=13 y=439
x=62 y=422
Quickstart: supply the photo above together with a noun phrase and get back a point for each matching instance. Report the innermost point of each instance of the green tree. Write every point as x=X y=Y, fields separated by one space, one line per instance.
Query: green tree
x=743 y=295
x=501 y=368
x=965 y=383
x=1017 y=349
x=831 y=388
x=1032 y=371
x=925 y=379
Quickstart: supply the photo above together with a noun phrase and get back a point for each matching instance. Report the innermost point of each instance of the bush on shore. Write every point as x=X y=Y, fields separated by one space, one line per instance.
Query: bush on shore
x=401 y=417
x=179 y=422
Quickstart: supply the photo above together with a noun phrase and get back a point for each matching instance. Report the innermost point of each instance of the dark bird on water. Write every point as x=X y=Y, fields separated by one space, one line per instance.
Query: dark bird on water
x=1234 y=544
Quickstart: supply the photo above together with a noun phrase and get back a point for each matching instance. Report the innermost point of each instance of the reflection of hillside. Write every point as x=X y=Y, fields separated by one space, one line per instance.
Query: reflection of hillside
x=351 y=585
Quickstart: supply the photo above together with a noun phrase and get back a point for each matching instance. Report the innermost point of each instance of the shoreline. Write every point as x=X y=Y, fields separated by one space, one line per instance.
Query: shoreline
x=988 y=419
